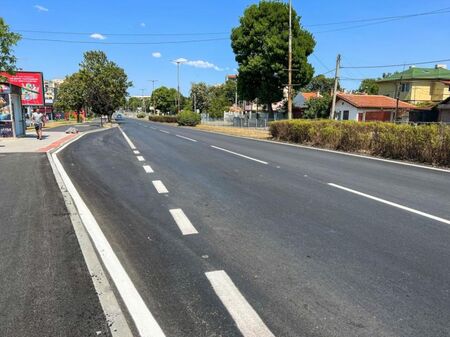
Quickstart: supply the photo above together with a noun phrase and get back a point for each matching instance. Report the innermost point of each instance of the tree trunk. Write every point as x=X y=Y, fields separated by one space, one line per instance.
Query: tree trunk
x=270 y=110
x=78 y=116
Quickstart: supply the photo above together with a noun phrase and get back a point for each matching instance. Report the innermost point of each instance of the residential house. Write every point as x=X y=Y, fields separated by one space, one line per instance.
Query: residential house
x=443 y=109
x=418 y=85
x=370 y=108
x=299 y=102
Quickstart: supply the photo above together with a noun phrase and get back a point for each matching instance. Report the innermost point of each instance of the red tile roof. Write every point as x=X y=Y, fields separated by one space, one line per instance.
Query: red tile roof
x=374 y=101
x=309 y=95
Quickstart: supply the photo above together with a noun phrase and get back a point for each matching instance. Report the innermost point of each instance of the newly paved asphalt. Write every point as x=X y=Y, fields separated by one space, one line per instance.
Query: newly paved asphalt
x=311 y=259
x=45 y=287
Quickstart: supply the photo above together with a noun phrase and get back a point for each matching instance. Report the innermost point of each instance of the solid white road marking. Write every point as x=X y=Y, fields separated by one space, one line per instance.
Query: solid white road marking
x=164 y=131
x=152 y=127
x=183 y=222
x=240 y=155
x=246 y=318
x=148 y=169
x=141 y=315
x=130 y=143
x=160 y=188
x=393 y=204
x=140 y=158
x=187 y=138
x=136 y=152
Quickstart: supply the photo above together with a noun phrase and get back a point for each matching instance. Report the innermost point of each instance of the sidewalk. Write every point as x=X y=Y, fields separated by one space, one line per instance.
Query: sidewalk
x=52 y=138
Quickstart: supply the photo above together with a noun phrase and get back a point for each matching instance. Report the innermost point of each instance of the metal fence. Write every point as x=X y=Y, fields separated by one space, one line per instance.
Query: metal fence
x=238 y=121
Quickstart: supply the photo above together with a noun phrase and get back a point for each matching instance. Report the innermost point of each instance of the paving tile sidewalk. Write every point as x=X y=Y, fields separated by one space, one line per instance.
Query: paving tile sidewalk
x=52 y=138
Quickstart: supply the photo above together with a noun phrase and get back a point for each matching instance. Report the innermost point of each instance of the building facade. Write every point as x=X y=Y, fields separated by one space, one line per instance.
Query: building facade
x=418 y=85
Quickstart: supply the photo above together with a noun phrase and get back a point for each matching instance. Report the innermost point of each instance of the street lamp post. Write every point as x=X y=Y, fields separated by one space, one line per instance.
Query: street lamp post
x=153 y=96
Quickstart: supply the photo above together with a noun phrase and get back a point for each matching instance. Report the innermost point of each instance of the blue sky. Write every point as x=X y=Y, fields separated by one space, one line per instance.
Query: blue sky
x=403 y=41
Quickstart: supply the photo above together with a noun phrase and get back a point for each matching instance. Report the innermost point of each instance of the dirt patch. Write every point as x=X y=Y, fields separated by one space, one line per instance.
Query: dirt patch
x=229 y=130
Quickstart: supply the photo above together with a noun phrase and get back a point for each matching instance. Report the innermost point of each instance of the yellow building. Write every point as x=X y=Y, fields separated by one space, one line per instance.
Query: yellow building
x=418 y=85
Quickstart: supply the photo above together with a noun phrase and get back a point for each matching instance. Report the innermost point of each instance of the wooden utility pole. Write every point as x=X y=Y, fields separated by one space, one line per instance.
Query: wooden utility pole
x=290 y=63
x=143 y=102
x=397 y=96
x=178 y=86
x=336 y=82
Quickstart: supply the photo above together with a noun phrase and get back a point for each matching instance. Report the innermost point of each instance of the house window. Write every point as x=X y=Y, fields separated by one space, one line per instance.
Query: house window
x=345 y=116
x=405 y=87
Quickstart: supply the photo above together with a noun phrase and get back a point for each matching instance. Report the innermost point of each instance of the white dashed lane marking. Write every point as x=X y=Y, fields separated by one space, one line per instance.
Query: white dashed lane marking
x=246 y=318
x=240 y=155
x=184 y=224
x=148 y=169
x=187 y=138
x=140 y=158
x=160 y=188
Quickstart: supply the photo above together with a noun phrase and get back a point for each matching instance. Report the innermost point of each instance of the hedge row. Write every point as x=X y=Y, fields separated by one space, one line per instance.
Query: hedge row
x=425 y=143
x=163 y=119
x=185 y=118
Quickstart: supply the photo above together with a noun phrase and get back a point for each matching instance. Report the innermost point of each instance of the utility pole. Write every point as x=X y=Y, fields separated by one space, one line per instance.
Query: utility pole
x=143 y=102
x=397 y=96
x=236 y=95
x=178 y=62
x=290 y=63
x=336 y=82
x=194 y=96
x=153 y=96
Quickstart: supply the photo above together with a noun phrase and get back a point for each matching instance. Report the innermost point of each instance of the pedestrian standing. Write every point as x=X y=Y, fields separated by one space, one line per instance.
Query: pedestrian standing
x=38 y=120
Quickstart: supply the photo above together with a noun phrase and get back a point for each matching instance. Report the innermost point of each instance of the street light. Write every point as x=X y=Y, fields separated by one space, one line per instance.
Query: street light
x=153 y=90
x=178 y=62
x=290 y=63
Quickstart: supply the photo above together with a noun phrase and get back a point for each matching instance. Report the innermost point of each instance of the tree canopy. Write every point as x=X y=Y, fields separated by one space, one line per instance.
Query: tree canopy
x=8 y=39
x=369 y=86
x=260 y=44
x=72 y=94
x=166 y=99
x=106 y=83
x=322 y=84
x=318 y=107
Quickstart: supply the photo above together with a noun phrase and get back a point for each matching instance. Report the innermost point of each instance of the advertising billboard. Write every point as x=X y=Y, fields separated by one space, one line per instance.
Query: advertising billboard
x=32 y=84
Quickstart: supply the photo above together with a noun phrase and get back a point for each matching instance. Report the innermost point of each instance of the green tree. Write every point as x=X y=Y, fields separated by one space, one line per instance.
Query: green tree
x=318 y=107
x=166 y=99
x=72 y=95
x=106 y=83
x=260 y=44
x=8 y=39
x=322 y=84
x=199 y=95
x=369 y=86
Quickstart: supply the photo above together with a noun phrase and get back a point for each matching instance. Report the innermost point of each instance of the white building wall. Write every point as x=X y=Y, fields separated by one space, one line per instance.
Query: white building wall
x=342 y=106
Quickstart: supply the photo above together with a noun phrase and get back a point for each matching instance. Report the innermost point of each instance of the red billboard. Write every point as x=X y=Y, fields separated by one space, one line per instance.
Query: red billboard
x=32 y=84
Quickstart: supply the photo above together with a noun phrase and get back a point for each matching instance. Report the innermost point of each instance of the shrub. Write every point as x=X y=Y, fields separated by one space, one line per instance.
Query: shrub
x=163 y=119
x=423 y=143
x=141 y=115
x=188 y=118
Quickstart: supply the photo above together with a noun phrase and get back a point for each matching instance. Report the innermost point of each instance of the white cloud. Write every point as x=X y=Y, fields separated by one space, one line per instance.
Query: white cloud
x=41 y=8
x=142 y=24
x=199 y=64
x=98 y=36
x=156 y=54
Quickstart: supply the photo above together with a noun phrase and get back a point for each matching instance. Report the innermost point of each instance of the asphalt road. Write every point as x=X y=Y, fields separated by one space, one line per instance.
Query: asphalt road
x=311 y=259
x=45 y=287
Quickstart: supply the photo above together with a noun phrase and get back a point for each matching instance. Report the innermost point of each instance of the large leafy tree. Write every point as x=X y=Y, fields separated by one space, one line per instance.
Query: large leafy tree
x=106 y=83
x=166 y=99
x=369 y=86
x=72 y=94
x=8 y=40
x=322 y=84
x=260 y=43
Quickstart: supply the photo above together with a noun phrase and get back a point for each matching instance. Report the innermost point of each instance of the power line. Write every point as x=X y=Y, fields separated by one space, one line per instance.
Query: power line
x=395 y=65
x=366 y=22
x=321 y=62
x=437 y=11
x=118 y=34
x=124 y=43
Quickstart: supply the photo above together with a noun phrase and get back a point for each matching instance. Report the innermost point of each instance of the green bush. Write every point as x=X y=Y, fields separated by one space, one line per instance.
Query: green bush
x=423 y=143
x=188 y=118
x=163 y=119
x=141 y=115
